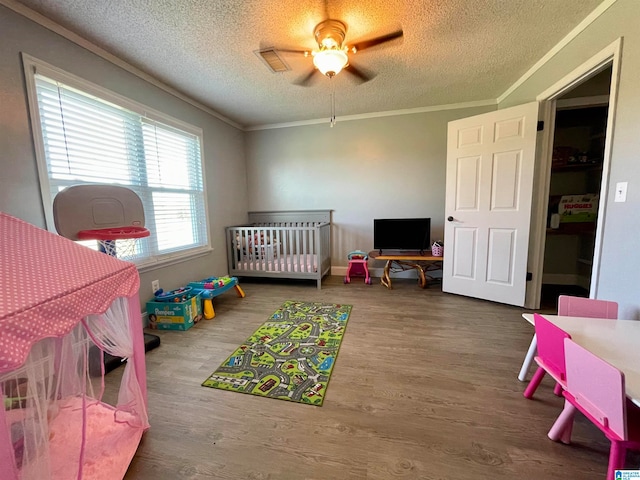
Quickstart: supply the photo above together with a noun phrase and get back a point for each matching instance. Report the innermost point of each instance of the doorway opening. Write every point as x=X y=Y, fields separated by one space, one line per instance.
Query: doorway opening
x=575 y=182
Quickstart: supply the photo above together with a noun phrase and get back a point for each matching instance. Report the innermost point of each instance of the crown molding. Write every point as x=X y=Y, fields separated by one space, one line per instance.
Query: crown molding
x=592 y=17
x=390 y=113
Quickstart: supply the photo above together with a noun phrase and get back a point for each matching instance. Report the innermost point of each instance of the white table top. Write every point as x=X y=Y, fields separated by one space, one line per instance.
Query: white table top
x=615 y=341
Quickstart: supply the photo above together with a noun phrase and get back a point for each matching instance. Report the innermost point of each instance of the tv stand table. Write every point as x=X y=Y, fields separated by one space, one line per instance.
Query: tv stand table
x=401 y=261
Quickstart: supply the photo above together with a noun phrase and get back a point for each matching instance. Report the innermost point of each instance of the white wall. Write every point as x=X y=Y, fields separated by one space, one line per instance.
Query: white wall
x=620 y=270
x=382 y=167
x=19 y=189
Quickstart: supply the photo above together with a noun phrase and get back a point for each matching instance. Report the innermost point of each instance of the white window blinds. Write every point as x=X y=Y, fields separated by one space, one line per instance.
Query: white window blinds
x=89 y=140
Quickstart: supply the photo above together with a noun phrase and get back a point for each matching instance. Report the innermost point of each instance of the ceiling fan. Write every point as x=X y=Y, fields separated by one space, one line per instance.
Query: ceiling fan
x=332 y=55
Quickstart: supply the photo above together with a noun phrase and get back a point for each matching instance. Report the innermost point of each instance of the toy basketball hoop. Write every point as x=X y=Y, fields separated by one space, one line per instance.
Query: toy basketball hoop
x=110 y=214
x=121 y=242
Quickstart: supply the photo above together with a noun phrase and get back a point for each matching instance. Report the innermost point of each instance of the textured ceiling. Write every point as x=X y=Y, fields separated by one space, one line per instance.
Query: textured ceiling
x=452 y=51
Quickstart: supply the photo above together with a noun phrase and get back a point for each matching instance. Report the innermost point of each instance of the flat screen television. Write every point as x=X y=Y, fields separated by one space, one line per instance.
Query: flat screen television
x=402 y=234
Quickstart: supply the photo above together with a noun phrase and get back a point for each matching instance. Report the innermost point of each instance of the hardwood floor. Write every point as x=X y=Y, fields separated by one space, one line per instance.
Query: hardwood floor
x=424 y=387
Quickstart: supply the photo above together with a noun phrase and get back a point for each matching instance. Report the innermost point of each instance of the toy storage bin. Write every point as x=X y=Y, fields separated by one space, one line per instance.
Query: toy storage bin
x=175 y=315
x=437 y=250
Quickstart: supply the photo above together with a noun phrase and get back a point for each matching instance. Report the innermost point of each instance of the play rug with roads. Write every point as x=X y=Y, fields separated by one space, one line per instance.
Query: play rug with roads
x=290 y=356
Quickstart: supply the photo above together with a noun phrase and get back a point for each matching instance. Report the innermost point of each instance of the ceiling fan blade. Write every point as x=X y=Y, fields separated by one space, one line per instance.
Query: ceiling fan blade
x=356 y=47
x=306 y=80
x=358 y=73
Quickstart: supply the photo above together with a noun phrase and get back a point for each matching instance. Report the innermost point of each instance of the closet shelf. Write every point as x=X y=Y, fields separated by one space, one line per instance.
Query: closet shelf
x=573 y=229
x=576 y=167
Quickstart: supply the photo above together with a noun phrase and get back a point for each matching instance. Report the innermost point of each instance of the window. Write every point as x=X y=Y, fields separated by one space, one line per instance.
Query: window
x=88 y=135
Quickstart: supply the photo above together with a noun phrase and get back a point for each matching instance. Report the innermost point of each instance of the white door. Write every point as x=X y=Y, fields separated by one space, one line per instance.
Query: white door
x=490 y=160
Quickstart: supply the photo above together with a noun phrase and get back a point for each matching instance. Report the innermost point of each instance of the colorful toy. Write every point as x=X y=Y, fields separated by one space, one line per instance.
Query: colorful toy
x=178 y=295
x=212 y=287
x=358 y=266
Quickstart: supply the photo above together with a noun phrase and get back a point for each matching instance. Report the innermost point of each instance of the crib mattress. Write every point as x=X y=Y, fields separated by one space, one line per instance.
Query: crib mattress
x=286 y=263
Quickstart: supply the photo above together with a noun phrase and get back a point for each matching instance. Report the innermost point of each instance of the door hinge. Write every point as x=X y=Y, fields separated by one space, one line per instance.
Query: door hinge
x=529 y=276
x=540 y=125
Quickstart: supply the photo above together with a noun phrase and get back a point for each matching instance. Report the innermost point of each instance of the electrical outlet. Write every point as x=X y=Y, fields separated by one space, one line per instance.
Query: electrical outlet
x=155 y=286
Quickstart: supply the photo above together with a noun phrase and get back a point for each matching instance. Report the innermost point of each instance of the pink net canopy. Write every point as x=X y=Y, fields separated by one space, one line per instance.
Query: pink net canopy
x=63 y=306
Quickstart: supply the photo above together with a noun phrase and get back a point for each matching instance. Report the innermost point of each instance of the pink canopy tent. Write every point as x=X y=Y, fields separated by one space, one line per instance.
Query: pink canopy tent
x=61 y=303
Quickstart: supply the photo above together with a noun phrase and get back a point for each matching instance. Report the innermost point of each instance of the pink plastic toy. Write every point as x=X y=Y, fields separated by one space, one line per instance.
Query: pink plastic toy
x=358 y=266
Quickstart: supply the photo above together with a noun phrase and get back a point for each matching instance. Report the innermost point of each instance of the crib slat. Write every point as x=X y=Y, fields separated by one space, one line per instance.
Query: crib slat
x=285 y=246
x=276 y=248
x=298 y=250
x=304 y=234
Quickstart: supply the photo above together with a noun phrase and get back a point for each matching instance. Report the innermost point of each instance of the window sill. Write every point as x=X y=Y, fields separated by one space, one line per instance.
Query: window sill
x=173 y=259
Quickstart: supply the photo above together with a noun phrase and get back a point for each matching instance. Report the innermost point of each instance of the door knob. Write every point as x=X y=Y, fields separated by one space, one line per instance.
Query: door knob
x=450 y=219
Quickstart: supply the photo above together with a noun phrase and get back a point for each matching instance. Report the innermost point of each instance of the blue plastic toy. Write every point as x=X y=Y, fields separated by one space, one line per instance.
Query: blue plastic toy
x=212 y=287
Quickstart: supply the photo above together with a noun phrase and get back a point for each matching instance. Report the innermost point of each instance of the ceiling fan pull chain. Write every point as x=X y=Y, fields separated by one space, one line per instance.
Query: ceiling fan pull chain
x=332 y=122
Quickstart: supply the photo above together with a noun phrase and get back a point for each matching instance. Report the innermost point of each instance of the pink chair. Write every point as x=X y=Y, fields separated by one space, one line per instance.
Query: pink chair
x=572 y=307
x=550 y=358
x=586 y=307
x=597 y=389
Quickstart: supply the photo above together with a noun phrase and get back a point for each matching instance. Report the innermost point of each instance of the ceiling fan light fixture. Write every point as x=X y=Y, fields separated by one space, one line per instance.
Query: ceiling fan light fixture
x=332 y=55
x=330 y=61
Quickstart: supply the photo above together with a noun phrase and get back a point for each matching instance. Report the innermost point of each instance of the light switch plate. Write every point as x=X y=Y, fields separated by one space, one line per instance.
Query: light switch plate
x=621 y=192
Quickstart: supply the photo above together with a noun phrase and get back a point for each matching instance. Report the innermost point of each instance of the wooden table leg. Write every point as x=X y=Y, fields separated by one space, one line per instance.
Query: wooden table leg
x=386 y=279
x=422 y=281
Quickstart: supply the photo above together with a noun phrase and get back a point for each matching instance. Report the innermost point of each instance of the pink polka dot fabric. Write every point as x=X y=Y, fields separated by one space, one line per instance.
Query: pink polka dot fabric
x=48 y=284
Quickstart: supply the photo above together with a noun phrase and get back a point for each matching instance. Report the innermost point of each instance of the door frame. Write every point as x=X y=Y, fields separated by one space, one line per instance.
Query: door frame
x=609 y=56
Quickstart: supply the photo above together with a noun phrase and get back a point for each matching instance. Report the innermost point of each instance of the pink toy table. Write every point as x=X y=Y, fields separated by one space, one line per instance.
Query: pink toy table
x=572 y=307
x=614 y=341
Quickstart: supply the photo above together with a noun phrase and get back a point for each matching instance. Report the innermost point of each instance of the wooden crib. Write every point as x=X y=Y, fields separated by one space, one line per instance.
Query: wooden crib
x=285 y=244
